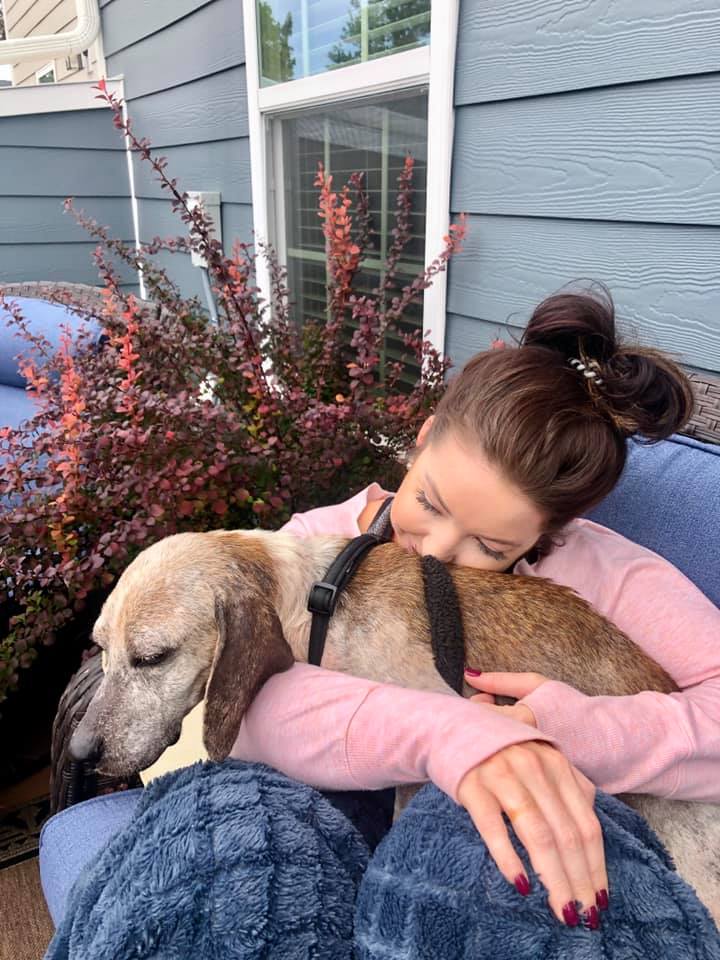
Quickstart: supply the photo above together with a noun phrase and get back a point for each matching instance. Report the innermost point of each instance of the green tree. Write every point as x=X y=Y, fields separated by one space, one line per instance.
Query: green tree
x=277 y=60
x=383 y=33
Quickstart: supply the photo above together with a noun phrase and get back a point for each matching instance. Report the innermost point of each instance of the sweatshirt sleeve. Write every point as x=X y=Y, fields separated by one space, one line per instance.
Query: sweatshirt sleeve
x=667 y=745
x=338 y=732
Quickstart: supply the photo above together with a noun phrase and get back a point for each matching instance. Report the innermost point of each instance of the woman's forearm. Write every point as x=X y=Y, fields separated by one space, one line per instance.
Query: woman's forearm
x=667 y=745
x=338 y=732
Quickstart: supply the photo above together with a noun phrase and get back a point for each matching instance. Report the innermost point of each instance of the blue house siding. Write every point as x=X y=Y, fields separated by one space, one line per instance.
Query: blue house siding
x=184 y=67
x=44 y=159
x=587 y=146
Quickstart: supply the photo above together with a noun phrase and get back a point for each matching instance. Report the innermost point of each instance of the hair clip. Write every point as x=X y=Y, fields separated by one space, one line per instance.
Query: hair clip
x=589 y=370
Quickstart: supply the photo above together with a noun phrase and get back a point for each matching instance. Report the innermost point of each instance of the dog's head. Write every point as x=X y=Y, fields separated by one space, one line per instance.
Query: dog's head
x=193 y=616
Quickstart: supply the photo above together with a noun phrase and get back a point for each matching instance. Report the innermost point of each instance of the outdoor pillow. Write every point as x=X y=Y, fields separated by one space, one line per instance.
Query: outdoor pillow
x=72 y=839
x=668 y=500
x=43 y=318
x=16 y=405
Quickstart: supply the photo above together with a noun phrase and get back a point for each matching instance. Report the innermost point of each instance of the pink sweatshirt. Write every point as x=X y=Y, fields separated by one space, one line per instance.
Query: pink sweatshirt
x=339 y=732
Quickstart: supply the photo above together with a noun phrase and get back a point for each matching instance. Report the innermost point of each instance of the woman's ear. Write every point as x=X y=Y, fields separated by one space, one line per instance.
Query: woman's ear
x=424 y=431
x=250 y=648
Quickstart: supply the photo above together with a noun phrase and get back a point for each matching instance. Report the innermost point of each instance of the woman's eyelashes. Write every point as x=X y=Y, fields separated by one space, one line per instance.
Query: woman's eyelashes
x=425 y=503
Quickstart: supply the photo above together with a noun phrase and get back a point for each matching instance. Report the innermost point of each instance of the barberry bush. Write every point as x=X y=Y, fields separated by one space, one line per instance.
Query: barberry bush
x=172 y=423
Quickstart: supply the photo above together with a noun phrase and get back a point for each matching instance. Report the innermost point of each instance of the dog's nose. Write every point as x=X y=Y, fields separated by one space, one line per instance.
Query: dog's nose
x=86 y=745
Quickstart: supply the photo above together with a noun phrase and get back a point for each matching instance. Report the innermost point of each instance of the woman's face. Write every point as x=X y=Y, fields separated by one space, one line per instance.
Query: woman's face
x=454 y=505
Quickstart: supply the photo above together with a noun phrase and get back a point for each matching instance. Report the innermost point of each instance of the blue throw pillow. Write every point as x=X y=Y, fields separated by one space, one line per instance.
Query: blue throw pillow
x=42 y=318
x=668 y=500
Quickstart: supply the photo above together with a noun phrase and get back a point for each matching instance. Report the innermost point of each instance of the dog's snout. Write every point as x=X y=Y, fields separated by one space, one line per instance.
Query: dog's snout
x=86 y=745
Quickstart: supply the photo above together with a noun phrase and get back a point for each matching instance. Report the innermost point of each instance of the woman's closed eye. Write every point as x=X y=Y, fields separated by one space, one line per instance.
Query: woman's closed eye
x=422 y=499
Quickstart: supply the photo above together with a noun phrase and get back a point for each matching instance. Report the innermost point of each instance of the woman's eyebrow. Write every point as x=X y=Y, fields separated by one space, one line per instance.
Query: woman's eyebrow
x=435 y=493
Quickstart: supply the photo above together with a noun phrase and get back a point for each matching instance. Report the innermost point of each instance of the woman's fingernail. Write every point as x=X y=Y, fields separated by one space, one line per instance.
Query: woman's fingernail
x=522 y=884
x=473 y=673
x=601 y=899
x=591 y=918
x=570 y=914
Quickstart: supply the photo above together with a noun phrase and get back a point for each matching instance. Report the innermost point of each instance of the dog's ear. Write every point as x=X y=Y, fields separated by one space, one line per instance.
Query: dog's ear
x=250 y=648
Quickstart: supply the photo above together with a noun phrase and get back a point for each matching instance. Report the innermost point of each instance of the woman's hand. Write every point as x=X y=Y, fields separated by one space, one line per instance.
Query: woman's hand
x=550 y=804
x=507 y=685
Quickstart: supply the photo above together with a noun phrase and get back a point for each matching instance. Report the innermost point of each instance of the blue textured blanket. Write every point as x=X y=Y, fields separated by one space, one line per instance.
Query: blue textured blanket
x=234 y=860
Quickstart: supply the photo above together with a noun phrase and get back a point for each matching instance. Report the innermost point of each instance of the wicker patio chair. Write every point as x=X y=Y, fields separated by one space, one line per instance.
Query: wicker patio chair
x=82 y=295
x=70 y=781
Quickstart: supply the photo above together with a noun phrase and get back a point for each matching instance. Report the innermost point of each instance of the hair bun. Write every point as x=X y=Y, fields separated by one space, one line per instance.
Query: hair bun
x=643 y=391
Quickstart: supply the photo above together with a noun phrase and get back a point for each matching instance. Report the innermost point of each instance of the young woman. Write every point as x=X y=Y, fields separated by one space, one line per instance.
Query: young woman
x=523 y=443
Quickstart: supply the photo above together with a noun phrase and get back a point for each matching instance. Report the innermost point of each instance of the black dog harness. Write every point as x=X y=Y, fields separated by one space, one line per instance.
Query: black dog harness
x=443 y=607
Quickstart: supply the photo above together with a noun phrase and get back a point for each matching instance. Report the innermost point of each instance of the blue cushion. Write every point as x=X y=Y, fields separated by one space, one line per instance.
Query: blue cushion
x=16 y=405
x=70 y=840
x=42 y=318
x=668 y=500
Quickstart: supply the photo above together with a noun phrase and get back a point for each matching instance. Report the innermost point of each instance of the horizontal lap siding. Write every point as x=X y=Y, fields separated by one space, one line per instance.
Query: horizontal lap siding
x=184 y=68
x=44 y=159
x=579 y=154
x=663 y=279
x=522 y=48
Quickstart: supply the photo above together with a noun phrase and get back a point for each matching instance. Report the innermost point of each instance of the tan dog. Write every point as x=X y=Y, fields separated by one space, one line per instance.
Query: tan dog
x=213 y=615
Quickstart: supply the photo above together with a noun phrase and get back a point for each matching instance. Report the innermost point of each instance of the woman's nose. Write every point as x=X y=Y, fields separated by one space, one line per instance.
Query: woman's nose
x=443 y=549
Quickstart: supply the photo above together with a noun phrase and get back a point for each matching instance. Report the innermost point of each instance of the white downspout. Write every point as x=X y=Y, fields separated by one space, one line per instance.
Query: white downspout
x=52 y=46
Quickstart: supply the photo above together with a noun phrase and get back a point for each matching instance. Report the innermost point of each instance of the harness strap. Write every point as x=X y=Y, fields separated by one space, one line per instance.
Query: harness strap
x=381 y=525
x=324 y=594
x=446 y=625
x=441 y=601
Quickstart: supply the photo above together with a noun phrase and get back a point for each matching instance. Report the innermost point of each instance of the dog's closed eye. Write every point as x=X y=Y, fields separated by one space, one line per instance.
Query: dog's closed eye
x=151 y=661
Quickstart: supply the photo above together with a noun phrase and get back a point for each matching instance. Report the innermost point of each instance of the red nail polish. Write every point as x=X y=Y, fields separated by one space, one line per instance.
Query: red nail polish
x=602 y=900
x=522 y=884
x=591 y=918
x=570 y=914
x=473 y=673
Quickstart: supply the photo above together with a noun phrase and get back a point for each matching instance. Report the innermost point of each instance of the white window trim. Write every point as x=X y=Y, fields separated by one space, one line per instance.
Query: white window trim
x=395 y=72
x=433 y=66
x=46 y=69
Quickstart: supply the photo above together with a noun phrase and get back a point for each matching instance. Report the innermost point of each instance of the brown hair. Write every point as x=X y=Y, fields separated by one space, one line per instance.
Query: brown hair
x=557 y=435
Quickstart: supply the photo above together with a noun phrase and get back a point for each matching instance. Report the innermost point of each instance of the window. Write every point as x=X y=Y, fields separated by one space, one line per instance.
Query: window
x=46 y=75
x=374 y=136
x=355 y=84
x=300 y=38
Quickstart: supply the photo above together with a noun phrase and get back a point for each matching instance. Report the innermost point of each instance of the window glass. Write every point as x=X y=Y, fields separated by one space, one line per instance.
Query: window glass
x=47 y=75
x=298 y=38
x=373 y=137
